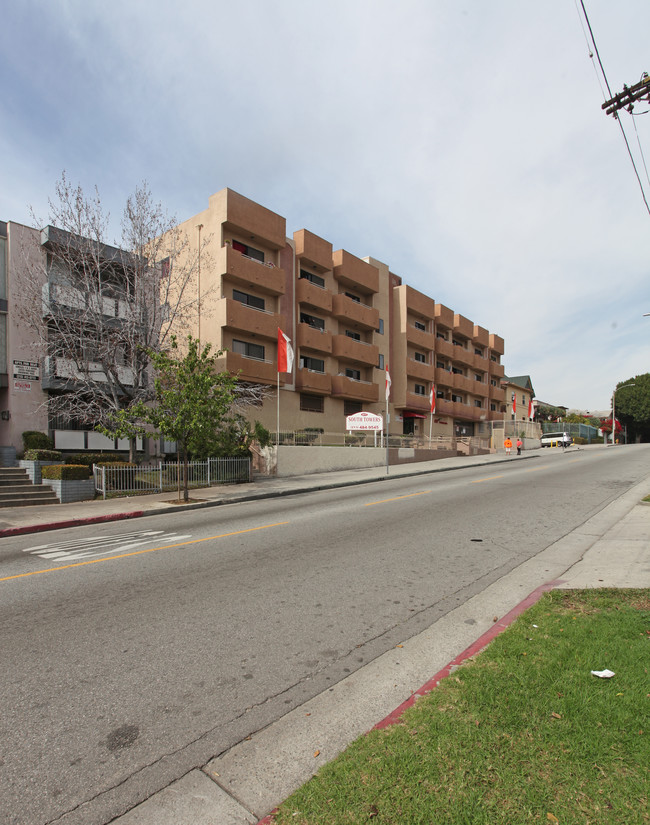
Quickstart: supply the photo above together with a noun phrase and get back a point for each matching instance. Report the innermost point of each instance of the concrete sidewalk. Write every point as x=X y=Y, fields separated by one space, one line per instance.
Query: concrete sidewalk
x=612 y=549
x=37 y=518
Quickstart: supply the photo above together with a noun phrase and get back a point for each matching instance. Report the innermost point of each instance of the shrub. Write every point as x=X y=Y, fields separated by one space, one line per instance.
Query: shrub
x=94 y=458
x=42 y=455
x=120 y=464
x=65 y=472
x=35 y=440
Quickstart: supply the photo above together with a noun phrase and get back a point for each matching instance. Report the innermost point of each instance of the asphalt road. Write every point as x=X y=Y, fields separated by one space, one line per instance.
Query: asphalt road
x=133 y=652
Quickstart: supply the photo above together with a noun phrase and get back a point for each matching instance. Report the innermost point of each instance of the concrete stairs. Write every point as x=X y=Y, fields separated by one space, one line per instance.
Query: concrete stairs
x=16 y=489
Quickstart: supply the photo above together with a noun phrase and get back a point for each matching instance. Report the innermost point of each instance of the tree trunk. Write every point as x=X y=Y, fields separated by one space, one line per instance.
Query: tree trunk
x=186 y=495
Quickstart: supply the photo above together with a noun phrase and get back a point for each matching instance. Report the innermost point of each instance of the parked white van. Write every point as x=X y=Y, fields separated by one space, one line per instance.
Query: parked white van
x=556 y=440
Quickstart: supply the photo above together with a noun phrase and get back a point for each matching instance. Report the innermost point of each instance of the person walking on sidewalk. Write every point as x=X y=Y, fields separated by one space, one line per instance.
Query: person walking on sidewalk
x=508 y=445
x=520 y=444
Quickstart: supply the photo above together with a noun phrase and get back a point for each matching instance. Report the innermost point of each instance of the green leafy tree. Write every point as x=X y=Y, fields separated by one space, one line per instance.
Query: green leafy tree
x=633 y=406
x=190 y=404
x=238 y=434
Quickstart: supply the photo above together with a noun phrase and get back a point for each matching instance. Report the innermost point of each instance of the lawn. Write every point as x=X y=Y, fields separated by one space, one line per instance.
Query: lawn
x=522 y=733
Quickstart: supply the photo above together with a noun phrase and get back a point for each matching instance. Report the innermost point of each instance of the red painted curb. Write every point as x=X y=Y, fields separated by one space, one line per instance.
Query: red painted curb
x=482 y=642
x=60 y=525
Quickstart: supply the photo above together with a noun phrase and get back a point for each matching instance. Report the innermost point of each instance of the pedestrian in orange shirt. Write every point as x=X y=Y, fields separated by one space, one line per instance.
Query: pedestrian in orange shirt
x=508 y=445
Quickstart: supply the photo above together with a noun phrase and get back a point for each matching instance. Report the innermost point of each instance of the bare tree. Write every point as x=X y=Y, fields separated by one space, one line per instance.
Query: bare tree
x=98 y=310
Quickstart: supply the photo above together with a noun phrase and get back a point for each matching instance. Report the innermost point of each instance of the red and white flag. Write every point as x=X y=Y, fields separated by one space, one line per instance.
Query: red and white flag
x=285 y=352
x=388 y=383
x=530 y=408
x=432 y=398
x=514 y=403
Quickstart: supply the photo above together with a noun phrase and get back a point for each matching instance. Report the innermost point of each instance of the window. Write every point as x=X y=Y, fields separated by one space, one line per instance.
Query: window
x=493 y=382
x=314 y=279
x=523 y=399
x=420 y=389
x=420 y=325
x=3 y=342
x=493 y=407
x=440 y=393
x=421 y=357
x=457 y=398
x=354 y=374
x=441 y=365
x=313 y=364
x=351 y=407
x=3 y=268
x=381 y=326
x=457 y=343
x=353 y=297
x=477 y=403
x=248 y=350
x=478 y=351
x=457 y=371
x=249 y=251
x=248 y=300
x=494 y=358
x=351 y=334
x=441 y=335
x=312 y=403
x=313 y=321
x=380 y=365
x=478 y=377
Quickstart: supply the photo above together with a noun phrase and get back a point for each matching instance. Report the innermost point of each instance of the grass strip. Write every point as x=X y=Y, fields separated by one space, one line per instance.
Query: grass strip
x=522 y=733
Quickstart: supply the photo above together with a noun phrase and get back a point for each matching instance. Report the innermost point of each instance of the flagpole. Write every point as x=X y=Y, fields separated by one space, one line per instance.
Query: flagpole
x=388 y=382
x=277 y=419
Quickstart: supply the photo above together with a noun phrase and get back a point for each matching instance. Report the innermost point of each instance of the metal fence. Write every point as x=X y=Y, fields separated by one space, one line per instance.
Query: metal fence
x=115 y=480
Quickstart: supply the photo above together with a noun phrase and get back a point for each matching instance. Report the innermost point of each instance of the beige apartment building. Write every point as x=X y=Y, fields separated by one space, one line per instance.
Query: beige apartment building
x=349 y=320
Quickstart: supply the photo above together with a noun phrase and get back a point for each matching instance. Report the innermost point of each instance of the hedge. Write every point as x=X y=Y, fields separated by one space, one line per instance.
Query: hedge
x=42 y=455
x=35 y=440
x=66 y=472
x=93 y=458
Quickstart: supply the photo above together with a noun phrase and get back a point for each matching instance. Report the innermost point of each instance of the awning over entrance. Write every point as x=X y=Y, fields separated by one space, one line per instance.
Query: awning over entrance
x=407 y=414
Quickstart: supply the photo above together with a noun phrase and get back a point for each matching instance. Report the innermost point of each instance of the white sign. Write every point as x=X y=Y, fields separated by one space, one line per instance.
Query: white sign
x=26 y=370
x=22 y=386
x=364 y=421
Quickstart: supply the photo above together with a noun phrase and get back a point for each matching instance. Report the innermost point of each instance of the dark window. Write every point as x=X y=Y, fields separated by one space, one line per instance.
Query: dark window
x=312 y=403
x=313 y=364
x=441 y=365
x=478 y=351
x=352 y=334
x=420 y=389
x=478 y=377
x=477 y=403
x=312 y=320
x=493 y=382
x=494 y=358
x=493 y=407
x=420 y=325
x=458 y=343
x=440 y=393
x=353 y=297
x=249 y=350
x=350 y=373
x=381 y=326
x=351 y=407
x=380 y=365
x=441 y=335
x=457 y=398
x=419 y=356
x=457 y=371
x=314 y=279
x=249 y=251
x=249 y=300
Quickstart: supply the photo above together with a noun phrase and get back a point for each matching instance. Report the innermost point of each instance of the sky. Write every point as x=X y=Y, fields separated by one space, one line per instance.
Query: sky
x=461 y=142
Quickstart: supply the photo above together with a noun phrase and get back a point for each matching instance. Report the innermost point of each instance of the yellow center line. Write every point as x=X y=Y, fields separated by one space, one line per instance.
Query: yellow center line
x=140 y=552
x=481 y=480
x=536 y=469
x=397 y=498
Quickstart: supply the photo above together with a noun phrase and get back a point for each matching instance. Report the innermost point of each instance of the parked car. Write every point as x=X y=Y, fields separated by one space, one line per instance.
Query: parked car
x=556 y=440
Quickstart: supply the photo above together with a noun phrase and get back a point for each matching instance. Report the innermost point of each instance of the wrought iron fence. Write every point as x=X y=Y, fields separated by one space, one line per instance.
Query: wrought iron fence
x=114 y=480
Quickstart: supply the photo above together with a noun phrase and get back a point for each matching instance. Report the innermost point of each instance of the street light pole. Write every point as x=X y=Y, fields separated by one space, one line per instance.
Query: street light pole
x=632 y=384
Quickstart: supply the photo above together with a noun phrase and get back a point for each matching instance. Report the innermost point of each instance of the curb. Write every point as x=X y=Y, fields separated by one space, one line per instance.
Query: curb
x=476 y=647
x=75 y=522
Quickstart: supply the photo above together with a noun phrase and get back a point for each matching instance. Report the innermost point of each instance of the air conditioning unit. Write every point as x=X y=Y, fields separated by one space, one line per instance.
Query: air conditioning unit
x=5 y=415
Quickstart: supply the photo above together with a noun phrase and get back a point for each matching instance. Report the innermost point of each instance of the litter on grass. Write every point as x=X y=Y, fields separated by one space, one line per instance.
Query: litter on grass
x=603 y=674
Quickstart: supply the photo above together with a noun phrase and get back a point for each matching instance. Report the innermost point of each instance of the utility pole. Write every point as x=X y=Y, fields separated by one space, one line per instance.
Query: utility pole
x=628 y=97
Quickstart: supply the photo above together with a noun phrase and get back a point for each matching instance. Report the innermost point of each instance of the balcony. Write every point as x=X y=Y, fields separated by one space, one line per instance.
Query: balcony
x=418 y=402
x=349 y=349
x=355 y=313
x=249 y=272
x=497 y=370
x=352 y=390
x=480 y=336
x=245 y=217
x=463 y=326
x=445 y=348
x=251 y=369
x=497 y=394
x=462 y=356
x=59 y=373
x=444 y=378
x=444 y=316
x=313 y=250
x=418 y=369
x=312 y=296
x=309 y=337
x=420 y=337
x=316 y=382
x=354 y=273
x=497 y=344
x=57 y=299
x=234 y=315
x=480 y=388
